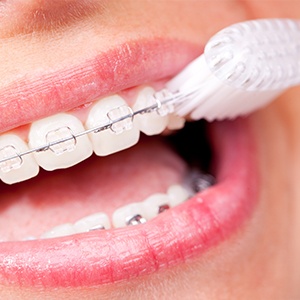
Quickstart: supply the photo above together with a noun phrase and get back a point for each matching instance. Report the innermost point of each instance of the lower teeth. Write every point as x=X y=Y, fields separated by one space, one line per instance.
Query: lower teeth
x=132 y=214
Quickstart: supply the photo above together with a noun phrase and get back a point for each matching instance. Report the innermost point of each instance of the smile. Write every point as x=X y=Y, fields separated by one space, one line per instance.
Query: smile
x=127 y=214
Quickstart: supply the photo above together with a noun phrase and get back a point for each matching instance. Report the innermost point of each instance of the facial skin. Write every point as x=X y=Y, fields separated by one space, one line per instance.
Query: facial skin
x=261 y=260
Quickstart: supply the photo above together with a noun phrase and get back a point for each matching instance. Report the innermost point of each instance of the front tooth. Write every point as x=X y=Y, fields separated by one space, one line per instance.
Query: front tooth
x=149 y=123
x=58 y=231
x=130 y=214
x=62 y=155
x=177 y=195
x=19 y=168
x=122 y=135
x=92 y=222
x=155 y=205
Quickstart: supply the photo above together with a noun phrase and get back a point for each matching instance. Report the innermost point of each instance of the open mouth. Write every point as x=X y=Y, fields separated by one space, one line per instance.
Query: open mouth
x=147 y=201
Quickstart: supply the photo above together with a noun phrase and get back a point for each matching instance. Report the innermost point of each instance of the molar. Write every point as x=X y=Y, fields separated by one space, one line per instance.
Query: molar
x=62 y=155
x=122 y=135
x=151 y=123
x=20 y=168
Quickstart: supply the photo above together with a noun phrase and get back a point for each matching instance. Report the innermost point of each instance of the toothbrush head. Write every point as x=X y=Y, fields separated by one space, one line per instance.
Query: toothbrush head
x=244 y=67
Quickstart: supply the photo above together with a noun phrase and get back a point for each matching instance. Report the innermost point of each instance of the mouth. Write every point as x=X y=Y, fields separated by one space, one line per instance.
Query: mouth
x=142 y=203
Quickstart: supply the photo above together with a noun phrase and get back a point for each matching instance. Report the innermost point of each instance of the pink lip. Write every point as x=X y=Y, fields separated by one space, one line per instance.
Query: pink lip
x=125 y=66
x=175 y=236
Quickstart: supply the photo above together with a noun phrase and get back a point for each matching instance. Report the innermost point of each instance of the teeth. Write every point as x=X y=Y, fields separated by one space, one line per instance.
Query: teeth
x=58 y=231
x=175 y=122
x=19 y=168
x=93 y=222
x=156 y=204
x=62 y=155
x=177 y=195
x=29 y=238
x=122 y=134
x=130 y=214
x=150 y=123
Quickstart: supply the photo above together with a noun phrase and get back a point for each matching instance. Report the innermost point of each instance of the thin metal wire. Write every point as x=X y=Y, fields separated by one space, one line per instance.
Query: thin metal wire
x=170 y=98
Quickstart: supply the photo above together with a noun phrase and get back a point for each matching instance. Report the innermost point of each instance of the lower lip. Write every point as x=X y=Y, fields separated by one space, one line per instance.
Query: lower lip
x=179 y=234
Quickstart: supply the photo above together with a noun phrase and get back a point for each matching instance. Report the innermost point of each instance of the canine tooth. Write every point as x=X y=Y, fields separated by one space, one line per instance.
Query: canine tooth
x=151 y=123
x=125 y=215
x=122 y=135
x=92 y=222
x=156 y=204
x=177 y=195
x=61 y=155
x=19 y=168
x=58 y=231
x=175 y=122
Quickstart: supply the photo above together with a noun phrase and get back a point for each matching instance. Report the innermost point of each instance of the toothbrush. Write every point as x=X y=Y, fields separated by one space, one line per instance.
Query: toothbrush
x=244 y=67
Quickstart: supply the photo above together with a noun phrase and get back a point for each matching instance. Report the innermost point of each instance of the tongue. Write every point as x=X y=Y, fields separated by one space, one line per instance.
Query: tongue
x=100 y=184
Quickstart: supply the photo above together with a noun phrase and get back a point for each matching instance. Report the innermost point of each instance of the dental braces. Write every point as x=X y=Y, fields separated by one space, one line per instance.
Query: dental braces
x=237 y=67
x=63 y=139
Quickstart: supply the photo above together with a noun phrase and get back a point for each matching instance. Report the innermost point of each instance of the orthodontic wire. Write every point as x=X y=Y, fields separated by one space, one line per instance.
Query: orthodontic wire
x=255 y=60
x=169 y=98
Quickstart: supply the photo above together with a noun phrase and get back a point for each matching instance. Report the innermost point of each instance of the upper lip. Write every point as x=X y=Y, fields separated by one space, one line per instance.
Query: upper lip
x=126 y=65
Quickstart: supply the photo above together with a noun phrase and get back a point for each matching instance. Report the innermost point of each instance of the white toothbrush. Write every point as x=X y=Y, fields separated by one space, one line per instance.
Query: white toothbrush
x=243 y=67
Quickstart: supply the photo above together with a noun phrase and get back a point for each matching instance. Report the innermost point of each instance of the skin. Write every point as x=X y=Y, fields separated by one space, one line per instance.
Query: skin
x=260 y=261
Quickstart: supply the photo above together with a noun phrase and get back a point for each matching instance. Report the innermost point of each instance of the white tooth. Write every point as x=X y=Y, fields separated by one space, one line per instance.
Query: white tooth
x=175 y=122
x=156 y=204
x=92 y=222
x=29 y=238
x=16 y=169
x=58 y=231
x=177 y=195
x=150 y=123
x=122 y=215
x=62 y=155
x=123 y=134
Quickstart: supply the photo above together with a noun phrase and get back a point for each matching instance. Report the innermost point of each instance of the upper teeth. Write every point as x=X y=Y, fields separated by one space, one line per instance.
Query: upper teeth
x=62 y=155
x=17 y=169
x=151 y=123
x=123 y=134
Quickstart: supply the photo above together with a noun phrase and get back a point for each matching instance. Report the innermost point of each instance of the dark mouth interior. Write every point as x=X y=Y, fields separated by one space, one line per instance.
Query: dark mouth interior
x=192 y=144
